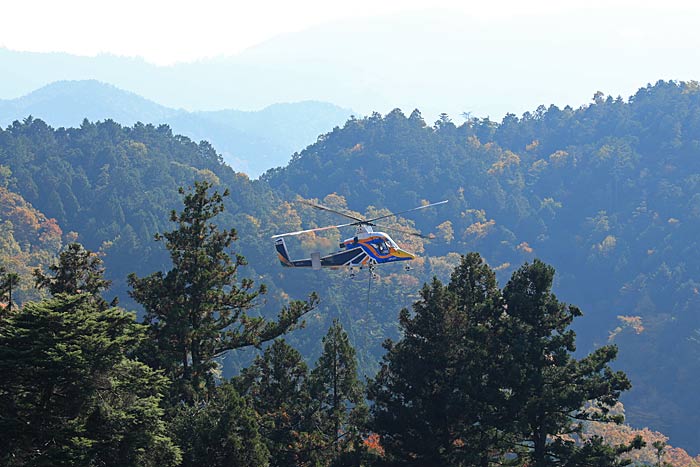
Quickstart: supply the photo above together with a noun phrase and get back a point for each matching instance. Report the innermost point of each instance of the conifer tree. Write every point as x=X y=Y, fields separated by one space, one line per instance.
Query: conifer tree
x=77 y=271
x=199 y=309
x=595 y=452
x=412 y=411
x=482 y=377
x=8 y=282
x=482 y=362
x=435 y=397
x=71 y=395
x=223 y=432
x=337 y=392
x=554 y=391
x=276 y=383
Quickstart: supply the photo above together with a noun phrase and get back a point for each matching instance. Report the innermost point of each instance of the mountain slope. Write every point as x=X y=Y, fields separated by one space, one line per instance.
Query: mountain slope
x=28 y=239
x=251 y=142
x=609 y=194
x=67 y=103
x=115 y=187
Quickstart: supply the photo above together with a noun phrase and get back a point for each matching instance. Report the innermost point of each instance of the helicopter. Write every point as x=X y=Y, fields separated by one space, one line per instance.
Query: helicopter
x=366 y=248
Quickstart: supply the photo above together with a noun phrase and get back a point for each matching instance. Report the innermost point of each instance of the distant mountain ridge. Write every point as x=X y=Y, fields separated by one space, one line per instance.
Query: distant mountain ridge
x=67 y=103
x=442 y=61
x=250 y=141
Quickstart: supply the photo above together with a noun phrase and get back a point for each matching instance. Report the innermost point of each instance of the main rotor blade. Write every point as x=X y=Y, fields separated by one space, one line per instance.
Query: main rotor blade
x=407 y=232
x=318 y=229
x=404 y=212
x=326 y=208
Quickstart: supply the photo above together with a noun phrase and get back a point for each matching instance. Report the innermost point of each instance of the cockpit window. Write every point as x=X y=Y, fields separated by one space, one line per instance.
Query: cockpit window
x=382 y=247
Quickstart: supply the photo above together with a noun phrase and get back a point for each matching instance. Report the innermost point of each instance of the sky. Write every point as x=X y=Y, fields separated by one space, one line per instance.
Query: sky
x=208 y=28
x=484 y=59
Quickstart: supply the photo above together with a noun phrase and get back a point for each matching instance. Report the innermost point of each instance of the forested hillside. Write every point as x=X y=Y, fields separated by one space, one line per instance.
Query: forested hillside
x=609 y=194
x=115 y=186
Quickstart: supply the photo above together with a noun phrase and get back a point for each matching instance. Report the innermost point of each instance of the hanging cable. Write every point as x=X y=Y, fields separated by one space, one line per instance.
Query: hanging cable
x=369 y=284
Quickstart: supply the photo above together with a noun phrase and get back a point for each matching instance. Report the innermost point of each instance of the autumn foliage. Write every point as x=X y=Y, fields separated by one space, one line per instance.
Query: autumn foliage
x=28 y=240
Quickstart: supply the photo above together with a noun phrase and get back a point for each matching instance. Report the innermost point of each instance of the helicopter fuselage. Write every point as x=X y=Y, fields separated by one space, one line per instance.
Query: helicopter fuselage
x=364 y=249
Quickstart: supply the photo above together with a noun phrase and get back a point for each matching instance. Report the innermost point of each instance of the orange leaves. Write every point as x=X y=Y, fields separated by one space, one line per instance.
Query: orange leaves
x=635 y=322
x=22 y=216
x=373 y=445
x=312 y=242
x=286 y=218
x=27 y=240
x=29 y=226
x=532 y=146
x=508 y=159
x=51 y=234
x=446 y=231
x=336 y=201
x=607 y=245
x=627 y=322
x=622 y=434
x=480 y=230
x=559 y=158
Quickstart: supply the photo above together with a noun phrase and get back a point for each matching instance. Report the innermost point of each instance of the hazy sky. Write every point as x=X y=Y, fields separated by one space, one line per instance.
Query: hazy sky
x=207 y=28
x=483 y=58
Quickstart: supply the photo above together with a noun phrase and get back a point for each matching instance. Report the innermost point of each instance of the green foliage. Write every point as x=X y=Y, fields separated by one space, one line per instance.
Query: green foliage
x=198 y=310
x=77 y=271
x=607 y=193
x=337 y=395
x=596 y=453
x=553 y=390
x=315 y=418
x=483 y=376
x=436 y=397
x=27 y=240
x=8 y=282
x=71 y=395
x=111 y=184
x=276 y=383
x=221 y=432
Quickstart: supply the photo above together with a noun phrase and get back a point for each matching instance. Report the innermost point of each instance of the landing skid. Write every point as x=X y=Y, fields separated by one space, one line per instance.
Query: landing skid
x=352 y=272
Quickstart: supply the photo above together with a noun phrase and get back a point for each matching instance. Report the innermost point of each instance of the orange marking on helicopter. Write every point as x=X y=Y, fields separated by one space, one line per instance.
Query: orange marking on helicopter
x=283 y=259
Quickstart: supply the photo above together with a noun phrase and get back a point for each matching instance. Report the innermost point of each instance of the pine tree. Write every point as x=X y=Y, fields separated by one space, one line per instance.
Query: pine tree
x=595 y=452
x=276 y=383
x=554 y=391
x=482 y=377
x=9 y=281
x=223 y=432
x=436 y=398
x=413 y=410
x=71 y=395
x=482 y=363
x=199 y=310
x=77 y=271
x=337 y=392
